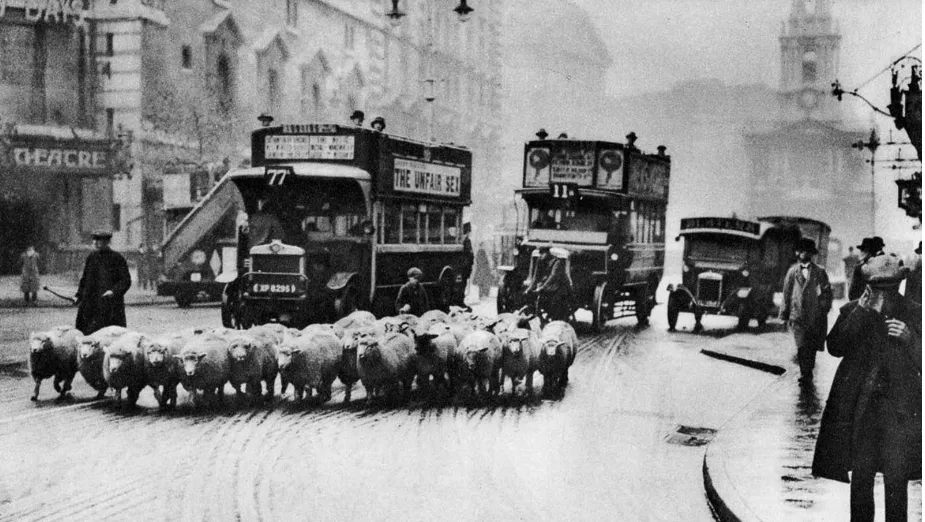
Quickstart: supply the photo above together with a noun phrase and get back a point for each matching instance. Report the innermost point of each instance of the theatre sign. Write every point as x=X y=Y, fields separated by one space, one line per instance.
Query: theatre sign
x=31 y=153
x=48 y=11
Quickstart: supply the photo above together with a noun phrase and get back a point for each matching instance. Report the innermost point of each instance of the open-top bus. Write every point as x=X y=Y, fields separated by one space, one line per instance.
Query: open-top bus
x=352 y=210
x=603 y=205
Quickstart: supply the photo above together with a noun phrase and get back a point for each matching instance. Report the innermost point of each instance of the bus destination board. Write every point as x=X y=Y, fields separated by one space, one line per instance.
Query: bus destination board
x=309 y=147
x=426 y=178
x=720 y=223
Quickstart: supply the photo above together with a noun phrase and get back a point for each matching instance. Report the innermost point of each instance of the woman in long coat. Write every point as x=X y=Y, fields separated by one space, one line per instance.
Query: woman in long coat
x=872 y=420
x=29 y=284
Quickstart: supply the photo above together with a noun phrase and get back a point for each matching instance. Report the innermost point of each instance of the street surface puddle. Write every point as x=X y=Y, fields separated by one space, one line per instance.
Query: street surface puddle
x=690 y=436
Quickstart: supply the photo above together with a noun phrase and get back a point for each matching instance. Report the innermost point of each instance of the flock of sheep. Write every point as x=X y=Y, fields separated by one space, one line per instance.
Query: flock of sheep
x=455 y=354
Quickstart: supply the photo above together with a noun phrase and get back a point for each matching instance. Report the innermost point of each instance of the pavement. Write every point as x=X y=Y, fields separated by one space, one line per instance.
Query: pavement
x=66 y=284
x=758 y=467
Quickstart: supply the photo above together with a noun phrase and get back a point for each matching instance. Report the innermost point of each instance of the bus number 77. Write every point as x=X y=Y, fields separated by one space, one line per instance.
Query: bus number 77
x=275 y=176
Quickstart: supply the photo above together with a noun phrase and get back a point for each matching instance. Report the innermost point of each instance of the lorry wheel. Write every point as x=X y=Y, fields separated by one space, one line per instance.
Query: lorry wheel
x=346 y=303
x=603 y=307
x=642 y=306
x=674 y=309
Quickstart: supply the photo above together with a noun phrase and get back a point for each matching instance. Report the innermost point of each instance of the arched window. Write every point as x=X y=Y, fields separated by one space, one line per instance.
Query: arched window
x=274 y=101
x=316 y=98
x=225 y=85
x=809 y=67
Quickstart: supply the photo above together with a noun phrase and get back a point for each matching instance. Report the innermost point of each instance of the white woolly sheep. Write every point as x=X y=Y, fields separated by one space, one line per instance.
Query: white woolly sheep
x=310 y=361
x=53 y=353
x=204 y=365
x=482 y=351
x=161 y=372
x=91 y=350
x=253 y=360
x=558 y=346
x=519 y=353
x=124 y=366
x=350 y=340
x=432 y=350
x=356 y=319
x=385 y=363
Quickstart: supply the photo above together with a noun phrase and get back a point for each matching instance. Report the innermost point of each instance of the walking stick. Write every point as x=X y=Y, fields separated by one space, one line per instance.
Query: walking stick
x=52 y=292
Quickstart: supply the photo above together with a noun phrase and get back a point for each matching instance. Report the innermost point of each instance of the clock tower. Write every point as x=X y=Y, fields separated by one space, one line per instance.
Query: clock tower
x=809 y=52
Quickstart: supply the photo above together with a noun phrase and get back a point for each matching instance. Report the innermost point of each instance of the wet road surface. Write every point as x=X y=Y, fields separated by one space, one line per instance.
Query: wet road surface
x=608 y=450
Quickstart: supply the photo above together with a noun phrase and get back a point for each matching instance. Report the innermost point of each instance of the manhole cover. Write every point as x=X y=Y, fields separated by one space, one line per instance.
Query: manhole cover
x=690 y=436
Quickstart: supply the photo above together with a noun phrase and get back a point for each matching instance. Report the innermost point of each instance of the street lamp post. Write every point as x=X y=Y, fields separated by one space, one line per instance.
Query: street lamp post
x=872 y=144
x=463 y=11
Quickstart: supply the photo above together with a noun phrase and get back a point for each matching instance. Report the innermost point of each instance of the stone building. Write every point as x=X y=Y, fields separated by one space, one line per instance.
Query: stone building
x=56 y=164
x=184 y=82
x=802 y=163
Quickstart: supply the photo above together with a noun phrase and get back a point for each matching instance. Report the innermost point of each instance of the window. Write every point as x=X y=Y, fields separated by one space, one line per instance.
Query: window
x=110 y=46
x=225 y=80
x=434 y=224
x=96 y=205
x=186 y=53
x=110 y=121
x=292 y=13
x=809 y=66
x=273 y=92
x=451 y=229
x=392 y=224
x=409 y=224
x=116 y=216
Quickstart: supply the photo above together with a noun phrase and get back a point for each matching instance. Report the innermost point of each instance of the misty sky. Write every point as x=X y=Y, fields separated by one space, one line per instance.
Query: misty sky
x=657 y=43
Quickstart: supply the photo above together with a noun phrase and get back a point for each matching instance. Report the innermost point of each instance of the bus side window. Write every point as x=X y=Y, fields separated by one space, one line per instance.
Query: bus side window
x=451 y=226
x=409 y=224
x=392 y=223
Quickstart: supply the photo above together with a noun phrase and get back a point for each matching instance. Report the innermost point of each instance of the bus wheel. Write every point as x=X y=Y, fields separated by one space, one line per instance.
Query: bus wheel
x=603 y=307
x=503 y=301
x=346 y=303
x=642 y=306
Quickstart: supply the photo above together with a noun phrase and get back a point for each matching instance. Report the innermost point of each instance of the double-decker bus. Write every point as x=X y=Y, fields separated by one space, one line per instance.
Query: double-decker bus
x=601 y=205
x=350 y=210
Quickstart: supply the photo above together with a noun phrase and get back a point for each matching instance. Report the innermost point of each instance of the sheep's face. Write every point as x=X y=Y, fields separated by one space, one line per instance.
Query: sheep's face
x=551 y=345
x=88 y=347
x=116 y=362
x=156 y=354
x=477 y=358
x=239 y=349
x=516 y=342
x=39 y=342
x=191 y=362
x=285 y=354
x=424 y=343
x=368 y=350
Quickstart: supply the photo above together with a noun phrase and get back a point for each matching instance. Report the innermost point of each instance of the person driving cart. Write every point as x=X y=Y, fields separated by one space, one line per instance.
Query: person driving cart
x=554 y=291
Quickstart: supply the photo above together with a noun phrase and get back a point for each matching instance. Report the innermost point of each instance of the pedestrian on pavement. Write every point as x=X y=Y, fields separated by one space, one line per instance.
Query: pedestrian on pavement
x=105 y=279
x=412 y=296
x=807 y=301
x=870 y=247
x=851 y=262
x=468 y=257
x=143 y=266
x=914 y=279
x=872 y=420
x=483 y=277
x=29 y=282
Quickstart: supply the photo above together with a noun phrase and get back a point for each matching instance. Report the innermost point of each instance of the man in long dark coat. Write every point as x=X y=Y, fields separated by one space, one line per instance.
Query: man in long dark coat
x=807 y=301
x=105 y=279
x=869 y=248
x=555 y=290
x=872 y=420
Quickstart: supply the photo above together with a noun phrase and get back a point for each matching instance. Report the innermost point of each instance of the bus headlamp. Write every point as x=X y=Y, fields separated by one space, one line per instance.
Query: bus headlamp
x=614 y=257
x=275 y=248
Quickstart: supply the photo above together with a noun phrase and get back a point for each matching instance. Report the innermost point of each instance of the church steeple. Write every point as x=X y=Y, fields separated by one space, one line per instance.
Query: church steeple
x=809 y=46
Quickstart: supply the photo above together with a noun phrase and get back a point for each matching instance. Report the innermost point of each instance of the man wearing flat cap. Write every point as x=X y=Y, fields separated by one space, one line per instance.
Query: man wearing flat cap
x=807 y=301
x=102 y=286
x=869 y=248
x=412 y=297
x=872 y=420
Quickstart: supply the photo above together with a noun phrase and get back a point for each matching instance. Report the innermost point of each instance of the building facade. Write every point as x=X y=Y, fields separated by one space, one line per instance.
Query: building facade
x=56 y=166
x=179 y=86
x=802 y=163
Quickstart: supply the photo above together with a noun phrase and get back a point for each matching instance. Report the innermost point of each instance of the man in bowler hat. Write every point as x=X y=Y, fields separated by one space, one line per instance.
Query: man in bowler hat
x=872 y=420
x=807 y=300
x=100 y=295
x=869 y=248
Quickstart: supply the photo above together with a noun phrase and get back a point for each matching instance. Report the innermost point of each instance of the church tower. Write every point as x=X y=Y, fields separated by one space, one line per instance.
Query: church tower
x=802 y=163
x=809 y=50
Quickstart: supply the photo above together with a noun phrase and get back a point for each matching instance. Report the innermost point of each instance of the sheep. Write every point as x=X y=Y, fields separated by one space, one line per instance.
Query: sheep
x=356 y=319
x=253 y=359
x=482 y=353
x=204 y=365
x=90 y=352
x=432 y=349
x=430 y=318
x=519 y=352
x=386 y=362
x=310 y=361
x=349 y=373
x=328 y=327
x=124 y=366
x=53 y=354
x=558 y=344
x=161 y=372
x=402 y=323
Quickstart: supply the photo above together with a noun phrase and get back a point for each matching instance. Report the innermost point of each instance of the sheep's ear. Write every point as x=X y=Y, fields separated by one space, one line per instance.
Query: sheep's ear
x=200 y=356
x=404 y=326
x=296 y=350
x=178 y=357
